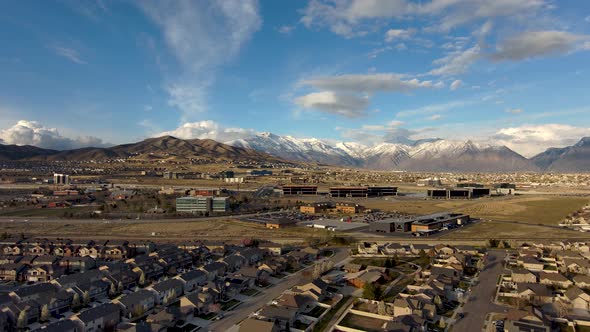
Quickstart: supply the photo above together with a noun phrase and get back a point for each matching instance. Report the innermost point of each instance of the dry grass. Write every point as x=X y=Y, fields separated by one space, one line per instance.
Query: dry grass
x=512 y=230
x=185 y=230
x=547 y=210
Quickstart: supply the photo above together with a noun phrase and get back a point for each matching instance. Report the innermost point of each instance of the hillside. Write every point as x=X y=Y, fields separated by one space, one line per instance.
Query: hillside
x=572 y=159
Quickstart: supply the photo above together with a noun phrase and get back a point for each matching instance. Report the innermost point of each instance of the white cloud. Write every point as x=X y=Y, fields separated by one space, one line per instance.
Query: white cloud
x=344 y=104
x=457 y=62
x=351 y=18
x=376 y=52
x=348 y=95
x=286 y=29
x=396 y=34
x=530 y=140
x=435 y=108
x=536 y=43
x=33 y=133
x=515 y=110
x=202 y=35
x=456 y=84
x=379 y=82
x=68 y=53
x=208 y=129
x=435 y=117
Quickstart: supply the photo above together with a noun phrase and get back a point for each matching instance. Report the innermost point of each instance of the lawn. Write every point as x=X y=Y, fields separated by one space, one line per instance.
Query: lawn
x=230 y=304
x=316 y=312
x=511 y=230
x=250 y=292
x=323 y=323
x=362 y=323
x=208 y=316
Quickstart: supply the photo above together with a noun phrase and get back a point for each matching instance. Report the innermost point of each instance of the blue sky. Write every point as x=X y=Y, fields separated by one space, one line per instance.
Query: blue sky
x=513 y=72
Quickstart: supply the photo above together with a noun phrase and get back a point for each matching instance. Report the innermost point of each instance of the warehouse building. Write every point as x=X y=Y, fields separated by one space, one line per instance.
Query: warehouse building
x=382 y=191
x=458 y=193
x=399 y=225
x=349 y=192
x=438 y=220
x=299 y=190
x=419 y=224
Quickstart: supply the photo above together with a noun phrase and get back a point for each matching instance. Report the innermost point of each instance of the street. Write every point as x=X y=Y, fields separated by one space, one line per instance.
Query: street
x=481 y=297
x=245 y=309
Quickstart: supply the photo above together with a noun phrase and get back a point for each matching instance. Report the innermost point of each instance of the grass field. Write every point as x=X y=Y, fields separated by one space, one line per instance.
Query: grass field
x=506 y=230
x=546 y=210
x=174 y=230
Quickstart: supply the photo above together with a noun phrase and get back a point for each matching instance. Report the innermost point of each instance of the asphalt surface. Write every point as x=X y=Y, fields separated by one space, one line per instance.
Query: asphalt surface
x=481 y=298
x=245 y=309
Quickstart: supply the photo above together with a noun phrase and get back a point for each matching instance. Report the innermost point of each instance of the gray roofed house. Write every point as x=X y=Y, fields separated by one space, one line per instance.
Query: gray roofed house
x=193 y=279
x=168 y=290
x=66 y=325
x=138 y=303
x=101 y=318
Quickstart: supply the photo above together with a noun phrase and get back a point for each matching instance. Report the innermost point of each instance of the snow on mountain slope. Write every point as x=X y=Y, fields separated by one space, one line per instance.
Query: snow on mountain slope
x=432 y=154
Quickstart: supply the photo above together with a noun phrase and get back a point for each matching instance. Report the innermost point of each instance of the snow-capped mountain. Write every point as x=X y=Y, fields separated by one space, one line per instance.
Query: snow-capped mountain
x=424 y=155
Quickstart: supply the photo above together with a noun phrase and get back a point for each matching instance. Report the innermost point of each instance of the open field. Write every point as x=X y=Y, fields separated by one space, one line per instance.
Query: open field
x=174 y=230
x=546 y=210
x=506 y=230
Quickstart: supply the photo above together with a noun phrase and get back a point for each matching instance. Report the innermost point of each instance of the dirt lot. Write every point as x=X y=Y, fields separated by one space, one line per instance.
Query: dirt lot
x=184 y=230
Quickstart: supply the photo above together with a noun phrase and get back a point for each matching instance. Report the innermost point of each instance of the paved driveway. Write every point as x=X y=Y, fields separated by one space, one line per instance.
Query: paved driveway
x=481 y=298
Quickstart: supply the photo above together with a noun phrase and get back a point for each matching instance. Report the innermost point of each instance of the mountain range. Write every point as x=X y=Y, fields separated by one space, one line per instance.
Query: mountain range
x=432 y=155
x=160 y=148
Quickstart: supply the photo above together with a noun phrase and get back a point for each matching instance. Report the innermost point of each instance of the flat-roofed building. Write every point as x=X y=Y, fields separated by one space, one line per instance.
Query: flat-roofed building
x=349 y=208
x=220 y=204
x=349 y=191
x=438 y=220
x=382 y=191
x=314 y=208
x=290 y=190
x=398 y=225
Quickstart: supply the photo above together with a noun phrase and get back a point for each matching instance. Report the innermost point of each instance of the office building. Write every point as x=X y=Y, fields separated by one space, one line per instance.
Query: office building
x=61 y=179
x=299 y=190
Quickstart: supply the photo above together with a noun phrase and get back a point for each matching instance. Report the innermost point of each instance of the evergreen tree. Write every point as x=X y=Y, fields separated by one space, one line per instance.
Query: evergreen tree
x=86 y=298
x=22 y=322
x=45 y=314
x=142 y=279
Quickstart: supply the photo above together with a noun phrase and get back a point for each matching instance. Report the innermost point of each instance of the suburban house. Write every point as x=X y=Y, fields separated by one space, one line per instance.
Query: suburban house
x=104 y=317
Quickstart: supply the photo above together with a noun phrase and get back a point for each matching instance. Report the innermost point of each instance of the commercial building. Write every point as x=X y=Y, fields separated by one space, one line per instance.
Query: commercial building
x=458 y=193
x=363 y=191
x=349 y=192
x=61 y=179
x=399 y=225
x=220 y=204
x=262 y=172
x=314 y=208
x=281 y=223
x=437 y=221
x=299 y=190
x=203 y=204
x=505 y=188
x=382 y=191
x=349 y=208
x=429 y=182
x=427 y=223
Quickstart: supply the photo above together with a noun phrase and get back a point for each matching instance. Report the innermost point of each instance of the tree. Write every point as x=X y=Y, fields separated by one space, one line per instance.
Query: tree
x=371 y=291
x=142 y=279
x=437 y=301
x=45 y=314
x=120 y=287
x=76 y=301
x=86 y=298
x=381 y=308
x=388 y=263
x=493 y=243
x=22 y=322
x=113 y=290
x=441 y=323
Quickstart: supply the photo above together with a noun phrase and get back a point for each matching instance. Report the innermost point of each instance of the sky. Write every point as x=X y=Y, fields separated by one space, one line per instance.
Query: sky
x=98 y=73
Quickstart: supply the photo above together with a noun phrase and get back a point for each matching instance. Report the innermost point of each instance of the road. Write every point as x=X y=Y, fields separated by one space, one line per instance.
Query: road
x=130 y=221
x=481 y=298
x=245 y=309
